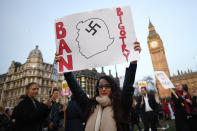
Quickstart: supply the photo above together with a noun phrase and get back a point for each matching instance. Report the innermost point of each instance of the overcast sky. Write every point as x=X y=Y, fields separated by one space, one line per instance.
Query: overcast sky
x=27 y=23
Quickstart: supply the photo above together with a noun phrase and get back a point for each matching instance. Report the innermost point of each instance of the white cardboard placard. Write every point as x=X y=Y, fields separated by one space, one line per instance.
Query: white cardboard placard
x=95 y=38
x=164 y=80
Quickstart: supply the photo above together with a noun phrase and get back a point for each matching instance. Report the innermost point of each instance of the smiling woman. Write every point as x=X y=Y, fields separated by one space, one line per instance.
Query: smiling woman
x=109 y=108
x=105 y=87
x=109 y=101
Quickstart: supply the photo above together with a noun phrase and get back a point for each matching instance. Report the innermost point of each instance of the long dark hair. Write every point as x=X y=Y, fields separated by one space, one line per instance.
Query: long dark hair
x=115 y=97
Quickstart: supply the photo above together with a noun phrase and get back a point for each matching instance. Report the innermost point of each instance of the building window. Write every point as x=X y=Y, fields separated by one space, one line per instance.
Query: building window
x=39 y=91
x=42 y=90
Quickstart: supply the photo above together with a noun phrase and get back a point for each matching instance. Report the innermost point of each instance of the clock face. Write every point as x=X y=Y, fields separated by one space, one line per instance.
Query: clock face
x=154 y=44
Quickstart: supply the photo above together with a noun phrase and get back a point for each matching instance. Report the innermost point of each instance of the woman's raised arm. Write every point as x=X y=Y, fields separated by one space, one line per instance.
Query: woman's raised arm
x=80 y=95
x=128 y=89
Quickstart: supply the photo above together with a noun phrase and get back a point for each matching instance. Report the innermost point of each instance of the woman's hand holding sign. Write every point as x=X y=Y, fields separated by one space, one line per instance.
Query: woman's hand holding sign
x=136 y=48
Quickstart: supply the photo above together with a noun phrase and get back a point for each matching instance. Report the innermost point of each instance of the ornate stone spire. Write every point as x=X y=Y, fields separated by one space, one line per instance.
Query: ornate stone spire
x=178 y=72
x=150 y=24
x=151 y=29
x=102 y=71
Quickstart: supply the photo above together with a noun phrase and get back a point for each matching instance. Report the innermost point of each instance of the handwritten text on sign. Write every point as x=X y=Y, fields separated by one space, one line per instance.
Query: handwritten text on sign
x=84 y=39
x=164 y=80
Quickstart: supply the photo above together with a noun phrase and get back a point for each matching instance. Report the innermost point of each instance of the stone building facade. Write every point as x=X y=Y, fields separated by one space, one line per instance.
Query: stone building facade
x=13 y=83
x=2 y=81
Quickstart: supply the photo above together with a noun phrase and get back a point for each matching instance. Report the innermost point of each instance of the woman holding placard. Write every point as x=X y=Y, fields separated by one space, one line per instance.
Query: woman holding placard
x=109 y=109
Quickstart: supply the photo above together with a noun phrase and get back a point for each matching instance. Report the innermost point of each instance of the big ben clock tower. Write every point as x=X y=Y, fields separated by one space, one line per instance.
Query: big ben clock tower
x=158 y=57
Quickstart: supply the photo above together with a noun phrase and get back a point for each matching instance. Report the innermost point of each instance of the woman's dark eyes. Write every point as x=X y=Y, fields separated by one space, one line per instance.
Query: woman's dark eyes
x=104 y=86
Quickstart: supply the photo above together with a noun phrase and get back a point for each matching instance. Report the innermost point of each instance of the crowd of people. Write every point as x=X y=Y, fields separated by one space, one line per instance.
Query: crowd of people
x=111 y=109
x=31 y=115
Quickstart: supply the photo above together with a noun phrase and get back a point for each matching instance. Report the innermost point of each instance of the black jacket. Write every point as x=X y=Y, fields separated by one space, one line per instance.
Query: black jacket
x=29 y=118
x=13 y=116
x=152 y=102
x=4 y=122
x=126 y=94
x=194 y=106
x=74 y=117
x=54 y=115
x=178 y=108
x=134 y=116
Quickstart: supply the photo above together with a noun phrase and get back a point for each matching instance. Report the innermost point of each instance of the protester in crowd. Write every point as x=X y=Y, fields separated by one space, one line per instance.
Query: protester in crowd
x=74 y=116
x=160 y=116
x=166 y=109
x=110 y=107
x=54 y=114
x=185 y=88
x=5 y=122
x=61 y=116
x=8 y=113
x=160 y=111
x=30 y=113
x=194 y=110
x=13 y=117
x=171 y=108
x=182 y=109
x=149 y=108
x=135 y=117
